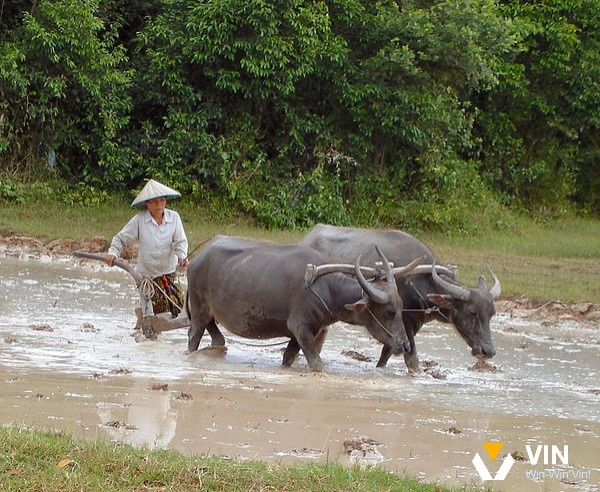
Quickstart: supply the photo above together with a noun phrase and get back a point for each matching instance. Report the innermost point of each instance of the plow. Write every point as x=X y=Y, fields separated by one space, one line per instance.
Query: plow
x=149 y=323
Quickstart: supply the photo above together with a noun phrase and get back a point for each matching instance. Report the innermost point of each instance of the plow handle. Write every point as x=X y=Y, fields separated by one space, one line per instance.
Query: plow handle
x=118 y=262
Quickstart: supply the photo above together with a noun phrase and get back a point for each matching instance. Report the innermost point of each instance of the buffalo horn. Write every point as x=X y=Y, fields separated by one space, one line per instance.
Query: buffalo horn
x=496 y=289
x=379 y=296
x=387 y=266
x=455 y=290
x=413 y=268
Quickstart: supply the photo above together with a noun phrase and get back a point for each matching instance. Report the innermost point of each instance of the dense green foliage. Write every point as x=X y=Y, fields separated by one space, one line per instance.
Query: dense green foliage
x=417 y=114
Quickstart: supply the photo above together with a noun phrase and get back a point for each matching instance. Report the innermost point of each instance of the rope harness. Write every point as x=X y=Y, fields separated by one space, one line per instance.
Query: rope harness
x=379 y=322
x=428 y=310
x=321 y=299
x=332 y=315
x=408 y=281
x=148 y=288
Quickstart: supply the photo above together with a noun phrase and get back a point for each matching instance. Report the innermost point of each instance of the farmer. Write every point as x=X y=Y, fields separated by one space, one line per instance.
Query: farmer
x=163 y=245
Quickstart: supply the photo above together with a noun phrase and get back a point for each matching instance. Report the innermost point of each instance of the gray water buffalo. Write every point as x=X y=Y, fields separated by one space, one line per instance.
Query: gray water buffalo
x=425 y=297
x=257 y=289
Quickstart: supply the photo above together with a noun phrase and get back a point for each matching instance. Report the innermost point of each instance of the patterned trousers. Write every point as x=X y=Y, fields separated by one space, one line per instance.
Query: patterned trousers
x=168 y=295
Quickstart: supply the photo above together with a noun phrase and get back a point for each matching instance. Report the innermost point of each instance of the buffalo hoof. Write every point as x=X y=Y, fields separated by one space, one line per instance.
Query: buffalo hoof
x=289 y=359
x=412 y=362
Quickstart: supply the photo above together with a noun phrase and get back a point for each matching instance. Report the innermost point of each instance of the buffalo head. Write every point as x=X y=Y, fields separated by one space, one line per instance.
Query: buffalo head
x=379 y=308
x=470 y=310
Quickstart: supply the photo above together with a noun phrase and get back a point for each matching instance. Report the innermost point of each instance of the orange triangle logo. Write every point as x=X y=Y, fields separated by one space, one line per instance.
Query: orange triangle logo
x=493 y=448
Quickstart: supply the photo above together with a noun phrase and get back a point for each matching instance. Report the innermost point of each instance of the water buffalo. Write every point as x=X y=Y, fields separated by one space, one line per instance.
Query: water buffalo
x=426 y=296
x=257 y=289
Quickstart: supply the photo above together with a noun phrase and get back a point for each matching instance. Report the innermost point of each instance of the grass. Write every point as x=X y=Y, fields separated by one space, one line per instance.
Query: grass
x=40 y=461
x=557 y=260
x=55 y=220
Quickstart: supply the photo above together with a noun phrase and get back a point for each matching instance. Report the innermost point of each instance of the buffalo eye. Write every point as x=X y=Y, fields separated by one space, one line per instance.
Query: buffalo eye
x=392 y=313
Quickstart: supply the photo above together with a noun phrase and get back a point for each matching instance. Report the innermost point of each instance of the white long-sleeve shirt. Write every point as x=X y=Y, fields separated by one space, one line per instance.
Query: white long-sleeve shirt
x=160 y=246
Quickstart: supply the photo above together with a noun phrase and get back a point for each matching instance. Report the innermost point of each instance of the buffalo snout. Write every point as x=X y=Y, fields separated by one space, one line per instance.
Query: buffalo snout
x=400 y=346
x=486 y=352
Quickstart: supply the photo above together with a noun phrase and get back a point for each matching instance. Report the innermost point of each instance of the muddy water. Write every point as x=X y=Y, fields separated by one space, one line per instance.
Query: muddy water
x=68 y=362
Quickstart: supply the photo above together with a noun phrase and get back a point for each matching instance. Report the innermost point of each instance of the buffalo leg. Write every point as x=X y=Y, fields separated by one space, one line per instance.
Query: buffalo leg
x=195 y=334
x=320 y=338
x=291 y=352
x=386 y=353
x=197 y=328
x=306 y=340
x=313 y=358
x=218 y=340
x=411 y=359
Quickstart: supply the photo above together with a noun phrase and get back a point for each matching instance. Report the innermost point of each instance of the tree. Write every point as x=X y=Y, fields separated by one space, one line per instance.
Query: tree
x=63 y=90
x=538 y=127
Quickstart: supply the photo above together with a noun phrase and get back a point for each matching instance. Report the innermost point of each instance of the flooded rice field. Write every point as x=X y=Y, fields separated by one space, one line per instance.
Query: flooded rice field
x=68 y=362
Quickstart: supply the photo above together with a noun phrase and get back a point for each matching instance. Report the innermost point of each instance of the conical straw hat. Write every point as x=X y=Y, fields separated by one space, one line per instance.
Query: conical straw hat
x=154 y=189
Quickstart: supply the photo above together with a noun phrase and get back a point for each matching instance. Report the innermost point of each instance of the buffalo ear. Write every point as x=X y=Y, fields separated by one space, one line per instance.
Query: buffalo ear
x=357 y=307
x=442 y=300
